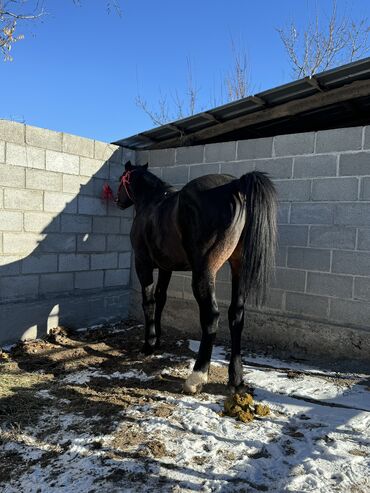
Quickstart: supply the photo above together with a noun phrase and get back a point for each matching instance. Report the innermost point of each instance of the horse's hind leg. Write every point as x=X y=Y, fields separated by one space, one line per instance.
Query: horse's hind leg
x=160 y=297
x=236 y=324
x=204 y=292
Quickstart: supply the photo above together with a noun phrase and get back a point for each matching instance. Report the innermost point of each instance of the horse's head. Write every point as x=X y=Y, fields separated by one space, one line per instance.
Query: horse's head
x=125 y=194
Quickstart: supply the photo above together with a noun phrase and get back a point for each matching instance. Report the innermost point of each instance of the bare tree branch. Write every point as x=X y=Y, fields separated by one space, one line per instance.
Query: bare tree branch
x=192 y=90
x=180 y=105
x=9 y=19
x=325 y=43
x=111 y=5
x=358 y=39
x=158 y=117
x=17 y=12
x=236 y=80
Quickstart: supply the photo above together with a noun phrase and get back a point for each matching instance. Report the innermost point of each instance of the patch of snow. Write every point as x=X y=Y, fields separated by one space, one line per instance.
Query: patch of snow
x=194 y=345
x=64 y=401
x=44 y=394
x=162 y=356
x=84 y=376
x=218 y=352
x=328 y=390
x=267 y=361
x=7 y=347
x=110 y=329
x=138 y=374
x=91 y=327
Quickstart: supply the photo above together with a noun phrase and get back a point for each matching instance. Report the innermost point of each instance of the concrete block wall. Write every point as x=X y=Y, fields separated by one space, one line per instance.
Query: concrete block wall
x=323 y=182
x=60 y=245
x=65 y=256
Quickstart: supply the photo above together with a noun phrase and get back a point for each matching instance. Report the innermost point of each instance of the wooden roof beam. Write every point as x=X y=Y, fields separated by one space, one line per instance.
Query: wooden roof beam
x=209 y=117
x=312 y=81
x=258 y=100
x=172 y=126
x=147 y=139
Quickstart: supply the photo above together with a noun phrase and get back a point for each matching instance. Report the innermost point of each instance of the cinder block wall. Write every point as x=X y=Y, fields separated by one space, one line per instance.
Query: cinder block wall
x=323 y=260
x=64 y=254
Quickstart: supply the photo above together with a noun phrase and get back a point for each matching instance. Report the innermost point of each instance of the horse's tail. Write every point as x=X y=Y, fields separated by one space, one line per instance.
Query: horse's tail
x=259 y=243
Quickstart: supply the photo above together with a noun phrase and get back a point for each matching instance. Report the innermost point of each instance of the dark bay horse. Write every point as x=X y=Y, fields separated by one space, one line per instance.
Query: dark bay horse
x=213 y=219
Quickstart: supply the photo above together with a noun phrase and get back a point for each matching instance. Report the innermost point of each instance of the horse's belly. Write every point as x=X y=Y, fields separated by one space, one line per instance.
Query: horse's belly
x=166 y=247
x=170 y=255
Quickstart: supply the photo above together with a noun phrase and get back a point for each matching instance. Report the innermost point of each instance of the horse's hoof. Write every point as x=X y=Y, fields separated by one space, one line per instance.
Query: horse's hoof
x=191 y=389
x=242 y=388
x=147 y=349
x=194 y=382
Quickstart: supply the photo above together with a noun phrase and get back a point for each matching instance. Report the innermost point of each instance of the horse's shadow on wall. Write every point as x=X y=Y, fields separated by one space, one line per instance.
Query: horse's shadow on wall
x=78 y=253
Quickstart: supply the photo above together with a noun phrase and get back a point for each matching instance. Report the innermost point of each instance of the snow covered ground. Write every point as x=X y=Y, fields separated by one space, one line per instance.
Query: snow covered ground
x=316 y=439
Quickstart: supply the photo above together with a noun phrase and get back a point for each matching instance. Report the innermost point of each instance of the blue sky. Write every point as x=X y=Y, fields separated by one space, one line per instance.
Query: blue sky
x=80 y=70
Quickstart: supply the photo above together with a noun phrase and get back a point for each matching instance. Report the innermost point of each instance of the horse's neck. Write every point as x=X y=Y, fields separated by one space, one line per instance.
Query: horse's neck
x=150 y=190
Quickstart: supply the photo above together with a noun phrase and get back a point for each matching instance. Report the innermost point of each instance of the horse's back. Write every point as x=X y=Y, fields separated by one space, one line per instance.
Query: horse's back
x=206 y=182
x=210 y=197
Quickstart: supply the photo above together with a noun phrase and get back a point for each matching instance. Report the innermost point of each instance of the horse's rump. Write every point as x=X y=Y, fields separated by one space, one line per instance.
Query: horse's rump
x=211 y=217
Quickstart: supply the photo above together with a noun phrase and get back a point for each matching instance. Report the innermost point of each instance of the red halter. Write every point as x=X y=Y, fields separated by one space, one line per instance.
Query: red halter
x=126 y=180
x=107 y=193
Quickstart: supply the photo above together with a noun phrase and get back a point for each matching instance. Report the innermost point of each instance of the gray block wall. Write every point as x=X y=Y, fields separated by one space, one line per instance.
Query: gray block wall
x=323 y=182
x=64 y=253
x=65 y=256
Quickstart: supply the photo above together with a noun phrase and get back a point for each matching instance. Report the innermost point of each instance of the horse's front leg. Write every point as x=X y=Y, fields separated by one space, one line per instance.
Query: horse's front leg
x=145 y=274
x=160 y=296
x=204 y=292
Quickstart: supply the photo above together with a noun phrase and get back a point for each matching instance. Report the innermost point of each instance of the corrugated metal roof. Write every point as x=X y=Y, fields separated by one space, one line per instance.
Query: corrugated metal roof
x=234 y=119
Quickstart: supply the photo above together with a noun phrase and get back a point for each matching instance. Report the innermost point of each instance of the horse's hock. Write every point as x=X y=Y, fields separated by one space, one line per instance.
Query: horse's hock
x=65 y=255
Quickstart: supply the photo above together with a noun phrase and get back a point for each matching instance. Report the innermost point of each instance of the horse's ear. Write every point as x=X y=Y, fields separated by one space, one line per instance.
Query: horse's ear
x=128 y=166
x=146 y=166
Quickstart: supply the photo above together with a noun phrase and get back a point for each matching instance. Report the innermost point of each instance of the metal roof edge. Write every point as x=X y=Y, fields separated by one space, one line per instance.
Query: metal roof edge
x=289 y=91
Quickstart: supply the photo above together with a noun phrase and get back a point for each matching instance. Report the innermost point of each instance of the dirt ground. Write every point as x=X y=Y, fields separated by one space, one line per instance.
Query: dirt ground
x=41 y=368
x=87 y=411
